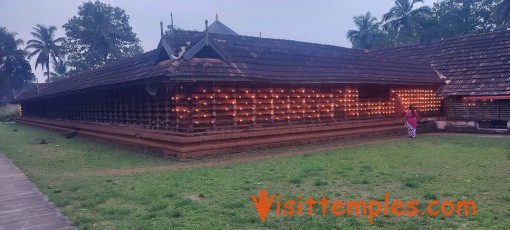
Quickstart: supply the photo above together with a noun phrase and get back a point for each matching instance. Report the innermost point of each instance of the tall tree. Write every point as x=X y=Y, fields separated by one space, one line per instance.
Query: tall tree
x=368 y=30
x=100 y=34
x=404 y=21
x=45 y=46
x=15 y=70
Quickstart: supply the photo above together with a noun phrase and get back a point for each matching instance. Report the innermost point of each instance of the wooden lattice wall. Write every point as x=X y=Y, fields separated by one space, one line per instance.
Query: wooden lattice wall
x=195 y=107
x=459 y=108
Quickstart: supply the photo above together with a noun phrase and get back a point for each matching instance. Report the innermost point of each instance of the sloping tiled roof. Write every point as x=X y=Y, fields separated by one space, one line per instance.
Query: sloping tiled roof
x=250 y=59
x=275 y=60
x=475 y=65
x=130 y=69
x=219 y=28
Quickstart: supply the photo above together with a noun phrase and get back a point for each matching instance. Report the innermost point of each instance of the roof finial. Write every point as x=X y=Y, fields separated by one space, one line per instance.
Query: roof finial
x=171 y=21
x=161 y=27
x=216 y=15
x=206 y=33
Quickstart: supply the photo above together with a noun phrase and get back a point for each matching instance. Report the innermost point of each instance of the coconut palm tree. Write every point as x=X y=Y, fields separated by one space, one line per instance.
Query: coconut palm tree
x=502 y=11
x=368 y=28
x=45 y=46
x=404 y=19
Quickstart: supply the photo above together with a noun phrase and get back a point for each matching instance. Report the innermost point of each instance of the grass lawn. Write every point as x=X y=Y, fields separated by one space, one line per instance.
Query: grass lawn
x=442 y=167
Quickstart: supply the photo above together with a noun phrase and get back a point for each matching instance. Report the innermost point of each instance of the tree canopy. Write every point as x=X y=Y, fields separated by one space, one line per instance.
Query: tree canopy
x=409 y=23
x=404 y=21
x=98 y=35
x=367 y=33
x=45 y=46
x=454 y=18
x=15 y=70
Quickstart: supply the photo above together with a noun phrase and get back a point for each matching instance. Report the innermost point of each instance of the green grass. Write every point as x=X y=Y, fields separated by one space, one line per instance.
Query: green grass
x=454 y=167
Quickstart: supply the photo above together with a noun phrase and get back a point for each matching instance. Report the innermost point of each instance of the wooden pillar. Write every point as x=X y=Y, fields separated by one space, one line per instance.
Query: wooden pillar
x=99 y=106
x=177 y=117
x=346 y=110
x=481 y=109
x=271 y=104
x=118 y=117
x=126 y=106
x=214 y=102
x=156 y=105
x=138 y=108
x=90 y=107
x=119 y=107
x=115 y=101
x=303 y=104
x=234 y=109
x=379 y=106
x=318 y=104
x=93 y=106
x=452 y=106
x=357 y=102
x=167 y=106
x=332 y=99
x=190 y=108
x=104 y=110
x=133 y=106
x=254 y=104
x=497 y=108
x=111 y=102
x=467 y=108
x=148 y=114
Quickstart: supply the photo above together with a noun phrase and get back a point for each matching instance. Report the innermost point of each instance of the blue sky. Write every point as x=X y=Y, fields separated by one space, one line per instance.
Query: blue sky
x=320 y=21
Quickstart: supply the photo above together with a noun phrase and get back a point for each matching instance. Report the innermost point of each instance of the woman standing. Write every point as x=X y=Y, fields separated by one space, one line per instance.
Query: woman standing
x=411 y=118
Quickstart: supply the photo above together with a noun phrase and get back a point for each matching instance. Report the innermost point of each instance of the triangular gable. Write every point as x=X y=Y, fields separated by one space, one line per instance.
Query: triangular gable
x=162 y=55
x=206 y=48
x=165 y=51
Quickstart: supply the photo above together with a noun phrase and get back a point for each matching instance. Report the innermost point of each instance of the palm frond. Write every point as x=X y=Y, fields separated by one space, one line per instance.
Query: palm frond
x=34 y=53
x=415 y=1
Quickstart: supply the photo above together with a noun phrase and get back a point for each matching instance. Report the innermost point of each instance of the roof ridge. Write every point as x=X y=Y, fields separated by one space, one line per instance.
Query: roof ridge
x=275 y=39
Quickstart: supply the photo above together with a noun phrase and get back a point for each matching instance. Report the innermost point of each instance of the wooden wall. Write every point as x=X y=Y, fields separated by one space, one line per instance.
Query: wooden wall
x=479 y=110
x=206 y=106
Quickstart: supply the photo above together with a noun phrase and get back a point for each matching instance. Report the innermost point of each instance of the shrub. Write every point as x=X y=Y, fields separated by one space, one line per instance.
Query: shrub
x=9 y=112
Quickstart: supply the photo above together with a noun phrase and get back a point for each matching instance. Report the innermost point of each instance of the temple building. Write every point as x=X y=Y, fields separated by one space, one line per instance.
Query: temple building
x=216 y=92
